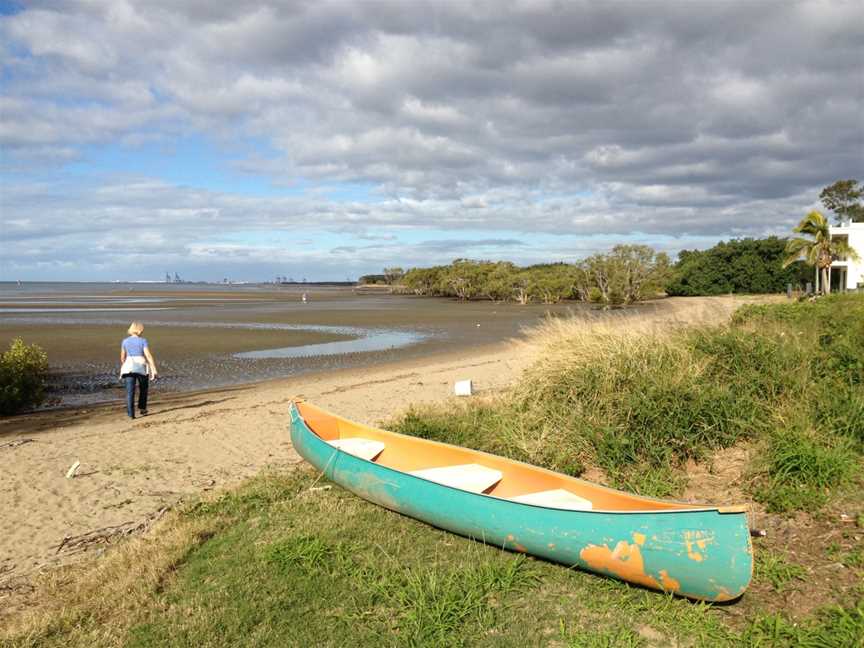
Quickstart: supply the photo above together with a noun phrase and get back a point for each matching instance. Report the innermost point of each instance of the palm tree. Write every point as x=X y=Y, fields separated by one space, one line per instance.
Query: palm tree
x=818 y=251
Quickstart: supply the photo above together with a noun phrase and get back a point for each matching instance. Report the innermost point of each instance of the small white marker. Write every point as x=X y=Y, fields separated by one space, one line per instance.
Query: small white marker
x=463 y=388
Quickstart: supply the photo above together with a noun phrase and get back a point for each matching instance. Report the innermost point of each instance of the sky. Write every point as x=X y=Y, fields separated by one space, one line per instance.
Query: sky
x=326 y=140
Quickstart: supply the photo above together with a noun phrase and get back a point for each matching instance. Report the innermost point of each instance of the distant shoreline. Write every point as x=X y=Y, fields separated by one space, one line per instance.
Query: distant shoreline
x=154 y=282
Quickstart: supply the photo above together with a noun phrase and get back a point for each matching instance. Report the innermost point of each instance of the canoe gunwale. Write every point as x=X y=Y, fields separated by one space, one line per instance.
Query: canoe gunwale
x=687 y=508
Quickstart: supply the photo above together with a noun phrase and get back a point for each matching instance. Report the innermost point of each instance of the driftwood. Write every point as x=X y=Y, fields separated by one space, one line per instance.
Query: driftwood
x=73 y=469
x=106 y=534
x=118 y=504
x=16 y=443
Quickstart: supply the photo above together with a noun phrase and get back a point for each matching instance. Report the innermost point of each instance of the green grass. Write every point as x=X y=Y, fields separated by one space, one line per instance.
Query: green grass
x=773 y=568
x=282 y=566
x=293 y=572
x=853 y=559
x=833 y=627
x=620 y=638
x=803 y=470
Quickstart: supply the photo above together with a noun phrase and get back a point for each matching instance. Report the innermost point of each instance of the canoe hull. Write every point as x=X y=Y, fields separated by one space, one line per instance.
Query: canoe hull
x=697 y=553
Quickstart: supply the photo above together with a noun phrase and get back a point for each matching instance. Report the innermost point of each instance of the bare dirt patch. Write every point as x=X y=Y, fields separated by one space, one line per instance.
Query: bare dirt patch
x=817 y=542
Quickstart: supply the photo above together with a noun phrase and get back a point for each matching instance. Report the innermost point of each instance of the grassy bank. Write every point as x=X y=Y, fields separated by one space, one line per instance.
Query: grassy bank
x=283 y=562
x=638 y=405
x=287 y=560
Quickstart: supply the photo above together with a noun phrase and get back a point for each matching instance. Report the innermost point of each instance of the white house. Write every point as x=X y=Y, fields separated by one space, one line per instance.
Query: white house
x=846 y=274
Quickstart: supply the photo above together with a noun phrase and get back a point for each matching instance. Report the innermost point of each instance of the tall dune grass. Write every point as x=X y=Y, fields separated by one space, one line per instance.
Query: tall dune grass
x=639 y=397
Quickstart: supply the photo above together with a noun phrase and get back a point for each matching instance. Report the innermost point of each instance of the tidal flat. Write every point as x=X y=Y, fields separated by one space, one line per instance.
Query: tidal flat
x=207 y=335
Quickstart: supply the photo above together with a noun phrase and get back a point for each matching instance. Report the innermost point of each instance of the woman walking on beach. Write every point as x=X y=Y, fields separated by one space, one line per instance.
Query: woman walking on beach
x=138 y=366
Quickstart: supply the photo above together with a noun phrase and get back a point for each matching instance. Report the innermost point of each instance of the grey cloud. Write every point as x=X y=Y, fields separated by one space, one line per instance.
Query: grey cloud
x=668 y=118
x=461 y=244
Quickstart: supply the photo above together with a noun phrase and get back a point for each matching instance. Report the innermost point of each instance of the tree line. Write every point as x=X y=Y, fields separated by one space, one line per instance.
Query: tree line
x=626 y=274
x=632 y=273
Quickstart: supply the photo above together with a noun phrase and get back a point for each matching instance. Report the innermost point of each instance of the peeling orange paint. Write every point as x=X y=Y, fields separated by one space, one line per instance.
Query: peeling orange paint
x=669 y=583
x=510 y=537
x=519 y=547
x=625 y=561
x=639 y=538
x=694 y=540
x=724 y=594
x=551 y=545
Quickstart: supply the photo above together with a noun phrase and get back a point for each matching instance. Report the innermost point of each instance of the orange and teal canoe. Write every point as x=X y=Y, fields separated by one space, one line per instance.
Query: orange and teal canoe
x=700 y=552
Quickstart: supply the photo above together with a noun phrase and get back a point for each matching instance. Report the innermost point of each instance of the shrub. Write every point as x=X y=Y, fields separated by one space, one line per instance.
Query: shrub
x=22 y=377
x=739 y=266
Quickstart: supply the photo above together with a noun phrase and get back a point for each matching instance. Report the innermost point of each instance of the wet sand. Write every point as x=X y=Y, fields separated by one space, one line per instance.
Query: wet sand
x=197 y=334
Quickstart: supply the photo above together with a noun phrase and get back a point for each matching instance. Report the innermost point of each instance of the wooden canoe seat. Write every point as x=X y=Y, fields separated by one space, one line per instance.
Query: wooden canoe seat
x=470 y=477
x=557 y=498
x=363 y=448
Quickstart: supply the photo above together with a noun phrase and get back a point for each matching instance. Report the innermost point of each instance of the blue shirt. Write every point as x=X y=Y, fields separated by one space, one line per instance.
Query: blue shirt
x=134 y=345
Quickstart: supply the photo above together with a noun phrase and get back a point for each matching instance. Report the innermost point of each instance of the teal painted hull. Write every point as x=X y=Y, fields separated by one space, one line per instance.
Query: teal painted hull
x=697 y=553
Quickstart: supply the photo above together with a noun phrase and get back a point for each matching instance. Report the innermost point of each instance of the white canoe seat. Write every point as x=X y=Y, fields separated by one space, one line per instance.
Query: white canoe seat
x=469 y=477
x=363 y=448
x=557 y=498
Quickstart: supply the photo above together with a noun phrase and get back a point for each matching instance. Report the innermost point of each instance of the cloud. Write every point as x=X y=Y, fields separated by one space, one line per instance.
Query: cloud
x=641 y=119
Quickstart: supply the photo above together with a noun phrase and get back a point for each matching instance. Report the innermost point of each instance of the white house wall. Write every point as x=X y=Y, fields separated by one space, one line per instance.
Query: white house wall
x=854 y=269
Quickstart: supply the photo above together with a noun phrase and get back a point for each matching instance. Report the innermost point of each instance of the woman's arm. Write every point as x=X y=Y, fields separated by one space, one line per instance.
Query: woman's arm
x=122 y=354
x=151 y=362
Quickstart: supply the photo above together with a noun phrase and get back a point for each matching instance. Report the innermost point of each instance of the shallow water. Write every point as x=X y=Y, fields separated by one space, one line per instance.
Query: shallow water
x=77 y=310
x=368 y=341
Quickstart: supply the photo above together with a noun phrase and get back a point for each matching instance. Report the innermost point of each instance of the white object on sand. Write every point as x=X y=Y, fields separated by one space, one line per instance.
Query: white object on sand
x=463 y=388
x=73 y=469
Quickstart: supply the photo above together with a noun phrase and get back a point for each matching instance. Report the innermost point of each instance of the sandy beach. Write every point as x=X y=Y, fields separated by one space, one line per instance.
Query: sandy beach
x=130 y=470
x=193 y=443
